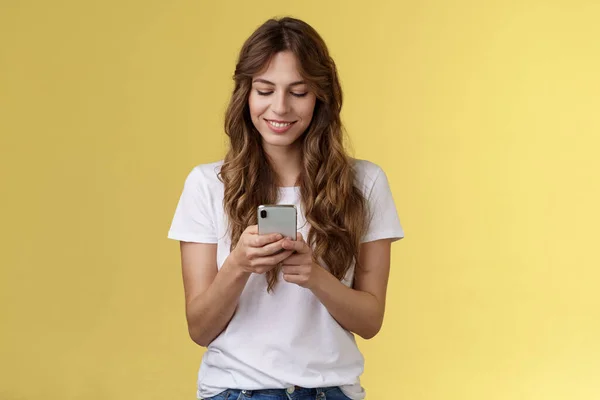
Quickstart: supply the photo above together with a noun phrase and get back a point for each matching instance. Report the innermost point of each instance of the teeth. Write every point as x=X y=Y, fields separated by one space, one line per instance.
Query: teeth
x=279 y=125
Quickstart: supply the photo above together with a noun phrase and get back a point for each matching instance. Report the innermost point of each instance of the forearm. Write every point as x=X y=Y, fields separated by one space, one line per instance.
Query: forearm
x=209 y=313
x=357 y=311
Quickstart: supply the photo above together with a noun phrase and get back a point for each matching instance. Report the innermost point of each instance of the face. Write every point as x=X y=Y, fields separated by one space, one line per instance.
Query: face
x=281 y=104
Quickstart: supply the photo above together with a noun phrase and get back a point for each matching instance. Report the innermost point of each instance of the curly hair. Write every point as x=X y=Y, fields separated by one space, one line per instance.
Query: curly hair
x=333 y=206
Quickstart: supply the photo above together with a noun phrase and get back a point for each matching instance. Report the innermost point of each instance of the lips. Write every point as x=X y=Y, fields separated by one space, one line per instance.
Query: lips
x=279 y=121
x=279 y=126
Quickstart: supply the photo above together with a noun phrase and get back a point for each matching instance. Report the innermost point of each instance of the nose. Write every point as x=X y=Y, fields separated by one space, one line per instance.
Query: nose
x=280 y=103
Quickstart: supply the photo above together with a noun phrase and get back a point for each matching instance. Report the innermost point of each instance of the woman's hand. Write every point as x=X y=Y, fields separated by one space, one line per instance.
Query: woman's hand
x=256 y=253
x=299 y=268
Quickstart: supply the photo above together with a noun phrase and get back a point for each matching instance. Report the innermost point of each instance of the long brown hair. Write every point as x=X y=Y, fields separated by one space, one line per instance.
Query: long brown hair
x=334 y=207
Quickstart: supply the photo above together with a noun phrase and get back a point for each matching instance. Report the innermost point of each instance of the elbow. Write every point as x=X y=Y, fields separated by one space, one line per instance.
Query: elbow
x=200 y=340
x=370 y=333
x=198 y=336
x=372 y=329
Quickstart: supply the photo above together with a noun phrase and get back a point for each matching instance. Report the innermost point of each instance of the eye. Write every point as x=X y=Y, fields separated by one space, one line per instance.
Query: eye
x=260 y=93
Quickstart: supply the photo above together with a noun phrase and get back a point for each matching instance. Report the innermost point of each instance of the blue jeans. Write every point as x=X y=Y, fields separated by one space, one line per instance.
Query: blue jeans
x=296 y=393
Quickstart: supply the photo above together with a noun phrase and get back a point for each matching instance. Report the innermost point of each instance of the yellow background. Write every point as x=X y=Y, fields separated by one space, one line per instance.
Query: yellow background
x=484 y=114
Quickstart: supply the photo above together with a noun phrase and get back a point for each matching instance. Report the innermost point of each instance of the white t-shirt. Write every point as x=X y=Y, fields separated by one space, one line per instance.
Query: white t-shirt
x=287 y=337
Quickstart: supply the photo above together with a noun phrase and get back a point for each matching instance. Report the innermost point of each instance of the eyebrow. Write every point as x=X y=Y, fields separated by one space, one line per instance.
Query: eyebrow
x=272 y=84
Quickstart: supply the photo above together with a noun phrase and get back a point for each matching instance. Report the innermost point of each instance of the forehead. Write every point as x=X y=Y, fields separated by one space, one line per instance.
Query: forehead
x=281 y=69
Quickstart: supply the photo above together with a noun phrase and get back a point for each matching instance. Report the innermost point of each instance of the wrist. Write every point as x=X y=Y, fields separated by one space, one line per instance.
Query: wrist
x=232 y=265
x=321 y=276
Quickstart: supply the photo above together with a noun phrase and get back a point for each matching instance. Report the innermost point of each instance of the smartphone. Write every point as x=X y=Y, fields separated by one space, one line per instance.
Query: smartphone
x=280 y=218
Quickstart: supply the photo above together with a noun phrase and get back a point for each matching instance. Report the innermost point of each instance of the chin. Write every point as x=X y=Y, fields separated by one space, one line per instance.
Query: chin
x=283 y=140
x=278 y=141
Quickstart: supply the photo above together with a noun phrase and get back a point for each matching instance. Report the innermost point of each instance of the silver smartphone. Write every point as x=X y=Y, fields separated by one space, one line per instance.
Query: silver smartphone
x=280 y=218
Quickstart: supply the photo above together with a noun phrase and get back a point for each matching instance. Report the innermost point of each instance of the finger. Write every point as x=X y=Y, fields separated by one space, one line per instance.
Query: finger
x=297 y=279
x=274 y=259
x=292 y=269
x=279 y=258
x=262 y=265
x=262 y=240
x=299 y=246
x=269 y=249
x=294 y=259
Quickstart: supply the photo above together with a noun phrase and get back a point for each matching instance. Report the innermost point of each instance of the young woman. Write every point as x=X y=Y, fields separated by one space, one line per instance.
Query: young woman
x=279 y=324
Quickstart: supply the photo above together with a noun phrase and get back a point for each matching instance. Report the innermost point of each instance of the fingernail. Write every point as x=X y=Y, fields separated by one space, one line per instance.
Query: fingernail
x=279 y=236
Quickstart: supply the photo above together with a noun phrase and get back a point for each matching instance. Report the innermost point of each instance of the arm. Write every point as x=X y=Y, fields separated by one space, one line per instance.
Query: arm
x=211 y=296
x=359 y=310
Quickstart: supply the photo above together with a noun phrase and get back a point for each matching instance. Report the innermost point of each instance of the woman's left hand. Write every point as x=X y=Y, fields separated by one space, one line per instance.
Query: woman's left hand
x=300 y=268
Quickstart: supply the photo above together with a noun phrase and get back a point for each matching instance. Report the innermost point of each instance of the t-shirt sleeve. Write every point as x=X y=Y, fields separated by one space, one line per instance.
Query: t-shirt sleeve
x=383 y=220
x=193 y=220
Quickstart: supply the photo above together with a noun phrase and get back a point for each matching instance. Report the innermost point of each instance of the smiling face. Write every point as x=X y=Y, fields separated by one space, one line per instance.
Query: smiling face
x=281 y=104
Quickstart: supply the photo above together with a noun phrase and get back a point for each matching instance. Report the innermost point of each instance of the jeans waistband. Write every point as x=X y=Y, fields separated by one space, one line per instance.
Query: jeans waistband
x=297 y=390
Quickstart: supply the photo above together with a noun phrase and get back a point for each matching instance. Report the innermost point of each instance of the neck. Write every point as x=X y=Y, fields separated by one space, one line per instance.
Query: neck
x=286 y=162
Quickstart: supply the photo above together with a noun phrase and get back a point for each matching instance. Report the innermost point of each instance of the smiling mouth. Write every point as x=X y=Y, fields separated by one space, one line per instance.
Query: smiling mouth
x=280 y=124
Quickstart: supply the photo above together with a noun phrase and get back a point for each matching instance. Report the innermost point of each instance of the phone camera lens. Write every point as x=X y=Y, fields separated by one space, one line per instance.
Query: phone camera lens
x=263 y=214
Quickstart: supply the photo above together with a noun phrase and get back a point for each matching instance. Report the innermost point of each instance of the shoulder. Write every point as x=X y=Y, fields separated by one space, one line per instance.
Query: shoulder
x=205 y=175
x=366 y=174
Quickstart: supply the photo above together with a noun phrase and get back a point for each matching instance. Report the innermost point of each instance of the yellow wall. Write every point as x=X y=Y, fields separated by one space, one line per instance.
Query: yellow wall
x=485 y=115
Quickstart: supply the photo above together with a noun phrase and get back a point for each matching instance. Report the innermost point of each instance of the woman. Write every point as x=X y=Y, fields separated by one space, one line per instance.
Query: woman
x=279 y=324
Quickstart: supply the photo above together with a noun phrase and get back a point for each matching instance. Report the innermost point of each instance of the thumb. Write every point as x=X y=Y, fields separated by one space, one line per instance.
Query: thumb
x=252 y=229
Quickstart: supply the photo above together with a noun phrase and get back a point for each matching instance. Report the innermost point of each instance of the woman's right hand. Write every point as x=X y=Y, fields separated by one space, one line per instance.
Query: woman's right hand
x=258 y=254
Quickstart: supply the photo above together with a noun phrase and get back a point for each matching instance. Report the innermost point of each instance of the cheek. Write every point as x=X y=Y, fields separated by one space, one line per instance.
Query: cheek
x=307 y=109
x=257 y=106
